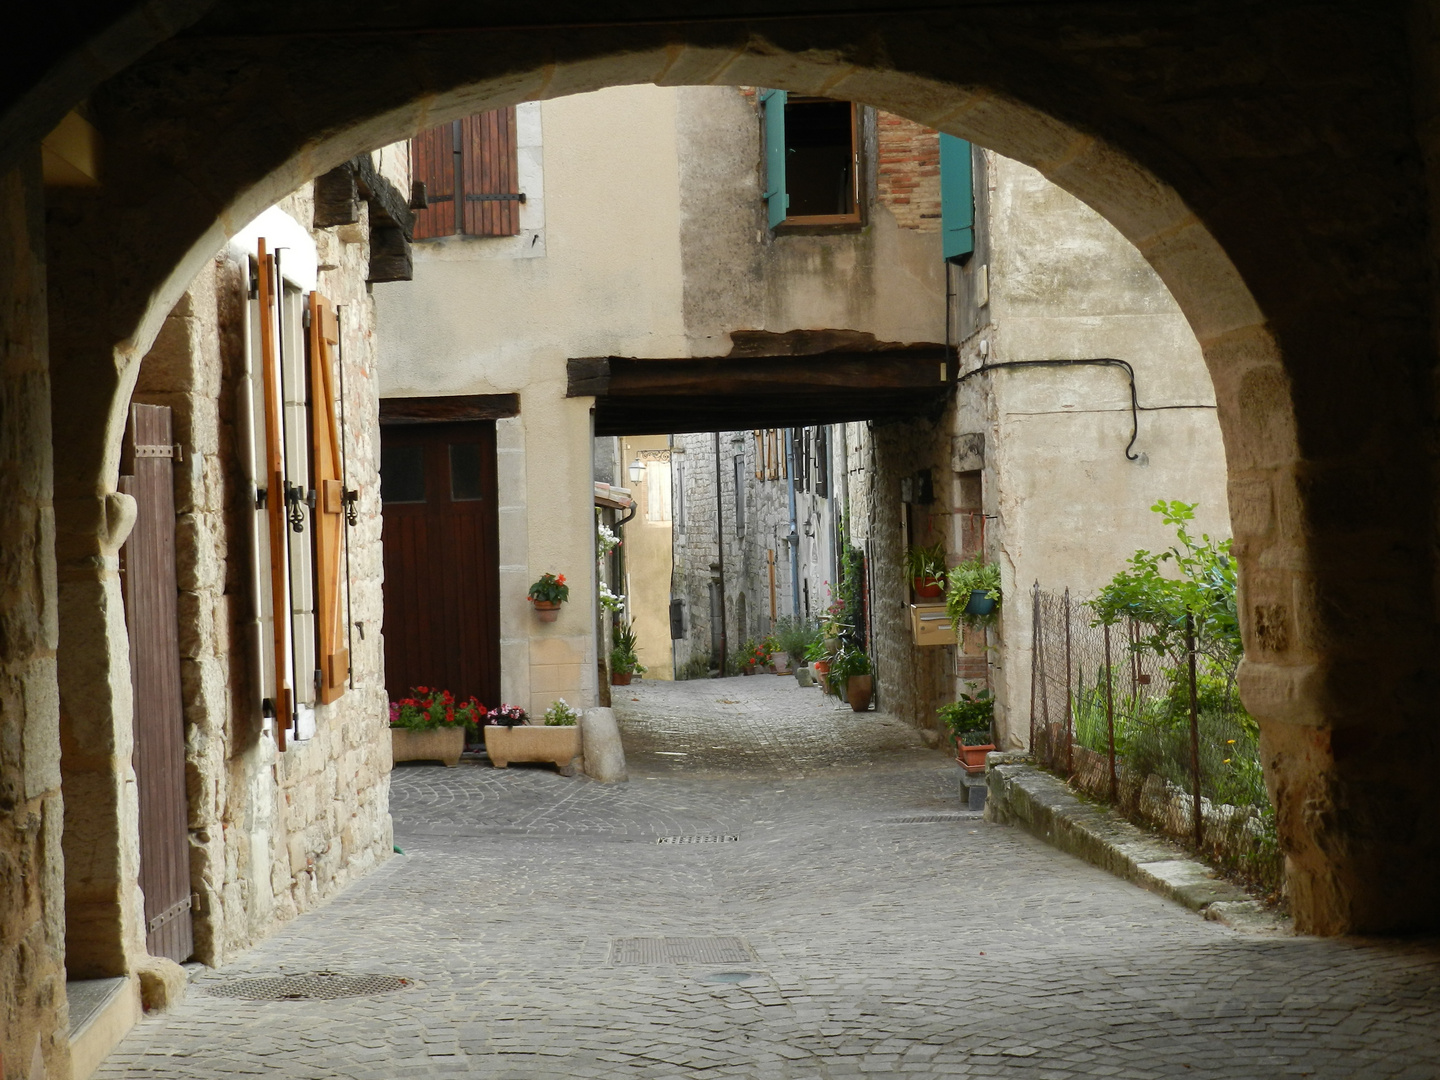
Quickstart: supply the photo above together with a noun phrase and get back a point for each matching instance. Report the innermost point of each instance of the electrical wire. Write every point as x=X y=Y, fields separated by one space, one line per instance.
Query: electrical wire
x=1101 y=361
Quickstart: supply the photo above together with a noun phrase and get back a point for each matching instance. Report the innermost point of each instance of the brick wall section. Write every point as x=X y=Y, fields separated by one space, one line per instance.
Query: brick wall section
x=907 y=175
x=32 y=912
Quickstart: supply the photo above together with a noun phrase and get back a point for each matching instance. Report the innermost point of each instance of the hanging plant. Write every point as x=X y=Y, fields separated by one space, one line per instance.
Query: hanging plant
x=972 y=593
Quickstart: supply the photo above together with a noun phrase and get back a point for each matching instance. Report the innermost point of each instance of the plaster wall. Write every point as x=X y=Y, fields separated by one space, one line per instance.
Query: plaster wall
x=648 y=551
x=595 y=271
x=1069 y=507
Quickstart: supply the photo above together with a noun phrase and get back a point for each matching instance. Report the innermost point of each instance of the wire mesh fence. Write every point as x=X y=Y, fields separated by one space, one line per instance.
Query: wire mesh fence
x=1164 y=739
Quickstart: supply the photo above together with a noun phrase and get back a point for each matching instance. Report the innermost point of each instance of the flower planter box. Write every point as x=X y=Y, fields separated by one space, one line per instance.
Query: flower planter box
x=972 y=757
x=532 y=742
x=438 y=744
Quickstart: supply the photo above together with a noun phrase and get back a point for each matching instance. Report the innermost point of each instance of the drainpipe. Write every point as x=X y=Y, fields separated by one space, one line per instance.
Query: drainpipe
x=793 y=539
x=720 y=545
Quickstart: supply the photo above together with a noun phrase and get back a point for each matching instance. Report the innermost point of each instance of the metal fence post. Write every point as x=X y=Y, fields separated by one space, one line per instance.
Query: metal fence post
x=1194 y=732
x=1069 y=701
x=1110 y=716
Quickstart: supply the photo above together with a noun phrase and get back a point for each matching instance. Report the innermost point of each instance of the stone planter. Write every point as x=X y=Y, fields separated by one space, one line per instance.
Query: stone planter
x=780 y=663
x=858 y=691
x=438 y=744
x=804 y=677
x=546 y=610
x=532 y=742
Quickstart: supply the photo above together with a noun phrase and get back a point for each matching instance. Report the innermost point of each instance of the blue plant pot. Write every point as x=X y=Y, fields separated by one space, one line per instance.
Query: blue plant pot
x=979 y=604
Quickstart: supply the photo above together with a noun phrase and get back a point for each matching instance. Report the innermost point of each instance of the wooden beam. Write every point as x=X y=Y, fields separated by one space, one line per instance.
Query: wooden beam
x=588 y=376
x=668 y=415
x=390 y=258
x=447 y=410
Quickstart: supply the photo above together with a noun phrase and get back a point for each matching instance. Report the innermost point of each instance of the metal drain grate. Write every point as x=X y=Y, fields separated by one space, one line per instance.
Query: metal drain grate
x=321 y=986
x=680 y=950
x=921 y=819
x=712 y=838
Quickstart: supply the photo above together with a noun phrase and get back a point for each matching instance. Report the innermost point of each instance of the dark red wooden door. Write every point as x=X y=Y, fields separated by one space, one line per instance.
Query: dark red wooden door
x=148 y=574
x=442 y=558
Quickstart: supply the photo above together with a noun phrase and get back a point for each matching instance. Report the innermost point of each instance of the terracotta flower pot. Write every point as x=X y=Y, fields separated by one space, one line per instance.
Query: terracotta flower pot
x=972 y=757
x=780 y=663
x=547 y=610
x=927 y=588
x=621 y=678
x=858 y=691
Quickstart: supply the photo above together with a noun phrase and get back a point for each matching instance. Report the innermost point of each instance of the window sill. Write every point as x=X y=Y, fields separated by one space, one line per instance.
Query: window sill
x=820 y=223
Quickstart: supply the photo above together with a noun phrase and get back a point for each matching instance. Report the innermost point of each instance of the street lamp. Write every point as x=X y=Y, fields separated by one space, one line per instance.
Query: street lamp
x=637 y=471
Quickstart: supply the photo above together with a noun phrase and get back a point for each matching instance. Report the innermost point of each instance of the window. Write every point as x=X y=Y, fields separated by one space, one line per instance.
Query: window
x=769 y=455
x=800 y=454
x=300 y=507
x=812 y=160
x=470 y=170
x=822 y=462
x=957 y=199
x=739 y=495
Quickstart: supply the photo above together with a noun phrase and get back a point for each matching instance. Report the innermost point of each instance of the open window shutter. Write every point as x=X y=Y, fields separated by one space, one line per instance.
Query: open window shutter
x=432 y=161
x=491 y=182
x=275 y=493
x=777 y=202
x=957 y=198
x=333 y=659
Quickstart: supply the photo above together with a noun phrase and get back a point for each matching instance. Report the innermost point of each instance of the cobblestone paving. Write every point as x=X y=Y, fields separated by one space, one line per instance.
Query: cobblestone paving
x=877 y=946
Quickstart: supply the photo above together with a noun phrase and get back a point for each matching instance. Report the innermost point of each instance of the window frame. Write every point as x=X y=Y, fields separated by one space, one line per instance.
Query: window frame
x=772 y=126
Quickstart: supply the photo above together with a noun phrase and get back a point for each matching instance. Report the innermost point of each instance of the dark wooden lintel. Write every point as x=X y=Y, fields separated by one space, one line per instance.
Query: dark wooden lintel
x=771 y=375
x=446 y=410
x=588 y=376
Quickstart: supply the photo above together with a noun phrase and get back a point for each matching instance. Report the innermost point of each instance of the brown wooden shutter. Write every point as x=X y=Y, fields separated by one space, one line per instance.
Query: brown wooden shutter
x=275 y=493
x=432 y=162
x=332 y=657
x=490 y=174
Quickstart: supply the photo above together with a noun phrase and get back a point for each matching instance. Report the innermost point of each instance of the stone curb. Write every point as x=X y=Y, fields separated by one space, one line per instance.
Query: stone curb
x=1043 y=805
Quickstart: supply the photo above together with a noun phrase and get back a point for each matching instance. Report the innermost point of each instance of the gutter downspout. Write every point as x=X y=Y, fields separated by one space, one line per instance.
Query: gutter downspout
x=793 y=538
x=720 y=545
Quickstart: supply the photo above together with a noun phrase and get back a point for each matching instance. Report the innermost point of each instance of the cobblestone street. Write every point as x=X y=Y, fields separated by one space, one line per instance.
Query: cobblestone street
x=830 y=912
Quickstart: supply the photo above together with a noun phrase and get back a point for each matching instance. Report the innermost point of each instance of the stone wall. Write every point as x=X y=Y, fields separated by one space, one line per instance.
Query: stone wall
x=32 y=911
x=271 y=833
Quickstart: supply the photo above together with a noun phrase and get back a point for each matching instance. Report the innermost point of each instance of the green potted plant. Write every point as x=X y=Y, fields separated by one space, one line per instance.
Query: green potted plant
x=818 y=657
x=793 y=637
x=752 y=657
x=972 y=593
x=548 y=594
x=851 y=669
x=624 y=663
x=925 y=566
x=430 y=724
x=971 y=722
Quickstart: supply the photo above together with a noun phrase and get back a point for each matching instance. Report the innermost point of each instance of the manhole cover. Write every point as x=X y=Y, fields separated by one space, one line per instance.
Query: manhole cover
x=321 y=986
x=711 y=838
x=730 y=976
x=922 y=819
x=680 y=950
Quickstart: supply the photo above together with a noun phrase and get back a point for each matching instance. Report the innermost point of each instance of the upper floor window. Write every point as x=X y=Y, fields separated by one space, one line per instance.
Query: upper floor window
x=812 y=160
x=470 y=170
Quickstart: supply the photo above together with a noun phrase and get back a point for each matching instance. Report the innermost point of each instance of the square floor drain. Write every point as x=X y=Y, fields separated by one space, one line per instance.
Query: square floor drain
x=706 y=838
x=680 y=950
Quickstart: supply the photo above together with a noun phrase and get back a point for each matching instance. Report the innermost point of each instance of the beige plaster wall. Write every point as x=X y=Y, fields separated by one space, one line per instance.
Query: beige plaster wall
x=484 y=315
x=1063 y=283
x=648 y=562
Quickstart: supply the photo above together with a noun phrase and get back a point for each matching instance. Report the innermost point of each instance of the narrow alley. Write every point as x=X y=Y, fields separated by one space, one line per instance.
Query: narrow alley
x=783 y=889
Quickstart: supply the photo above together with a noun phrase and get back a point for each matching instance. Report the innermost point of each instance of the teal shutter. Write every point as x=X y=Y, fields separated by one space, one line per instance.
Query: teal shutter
x=957 y=198
x=777 y=202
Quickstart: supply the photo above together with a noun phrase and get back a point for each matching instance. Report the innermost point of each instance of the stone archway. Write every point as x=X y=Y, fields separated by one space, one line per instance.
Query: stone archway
x=1235 y=201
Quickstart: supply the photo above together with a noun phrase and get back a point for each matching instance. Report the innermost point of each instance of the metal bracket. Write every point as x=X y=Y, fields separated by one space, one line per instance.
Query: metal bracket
x=295 y=499
x=517 y=196
x=350 y=500
x=262 y=498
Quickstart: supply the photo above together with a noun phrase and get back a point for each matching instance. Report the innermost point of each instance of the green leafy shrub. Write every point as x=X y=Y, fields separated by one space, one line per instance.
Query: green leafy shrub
x=971 y=718
x=963 y=580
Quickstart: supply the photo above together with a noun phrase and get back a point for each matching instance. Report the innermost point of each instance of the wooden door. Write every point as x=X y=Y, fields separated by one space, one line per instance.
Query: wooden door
x=442 y=559
x=148 y=576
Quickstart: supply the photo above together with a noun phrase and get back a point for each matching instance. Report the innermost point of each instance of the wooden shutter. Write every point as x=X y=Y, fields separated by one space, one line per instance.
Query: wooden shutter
x=491 y=182
x=432 y=161
x=957 y=198
x=332 y=656
x=777 y=202
x=275 y=494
